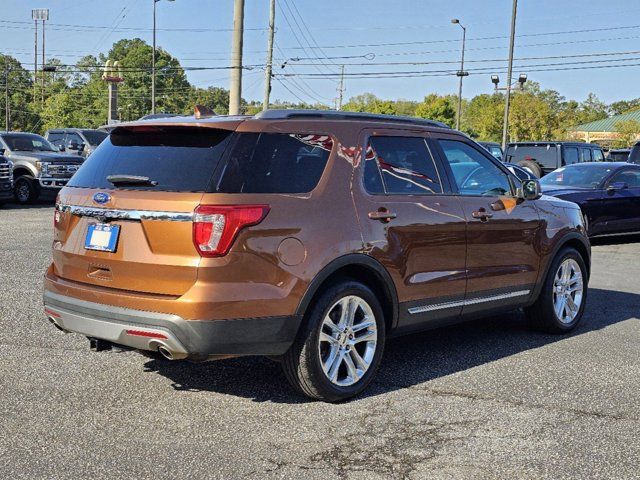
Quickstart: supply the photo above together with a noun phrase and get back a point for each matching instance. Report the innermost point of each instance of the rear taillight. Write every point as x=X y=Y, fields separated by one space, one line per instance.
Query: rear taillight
x=56 y=213
x=215 y=227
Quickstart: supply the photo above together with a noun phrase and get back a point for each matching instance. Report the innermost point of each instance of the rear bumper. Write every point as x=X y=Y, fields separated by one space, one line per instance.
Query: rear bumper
x=195 y=339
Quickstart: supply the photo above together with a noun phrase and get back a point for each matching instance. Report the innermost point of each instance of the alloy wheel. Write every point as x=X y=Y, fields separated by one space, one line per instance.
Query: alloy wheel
x=347 y=341
x=568 y=289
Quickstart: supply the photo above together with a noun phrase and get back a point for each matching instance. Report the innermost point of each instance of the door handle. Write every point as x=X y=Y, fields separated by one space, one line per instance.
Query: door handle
x=383 y=215
x=482 y=215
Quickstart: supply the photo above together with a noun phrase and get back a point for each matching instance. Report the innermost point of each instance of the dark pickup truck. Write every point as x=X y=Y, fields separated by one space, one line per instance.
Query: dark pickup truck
x=6 y=179
x=37 y=165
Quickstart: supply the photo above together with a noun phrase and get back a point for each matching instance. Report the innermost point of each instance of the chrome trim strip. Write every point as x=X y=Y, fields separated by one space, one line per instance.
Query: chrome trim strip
x=120 y=214
x=470 y=301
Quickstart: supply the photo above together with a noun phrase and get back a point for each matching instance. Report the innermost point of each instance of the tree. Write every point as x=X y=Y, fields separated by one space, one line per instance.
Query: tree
x=629 y=131
x=23 y=115
x=483 y=117
x=440 y=108
x=624 y=106
x=530 y=118
x=215 y=98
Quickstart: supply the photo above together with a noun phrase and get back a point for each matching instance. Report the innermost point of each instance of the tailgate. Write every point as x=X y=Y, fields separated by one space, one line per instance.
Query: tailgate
x=154 y=252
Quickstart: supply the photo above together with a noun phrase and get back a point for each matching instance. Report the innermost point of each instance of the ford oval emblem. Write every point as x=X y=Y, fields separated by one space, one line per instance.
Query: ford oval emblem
x=101 y=198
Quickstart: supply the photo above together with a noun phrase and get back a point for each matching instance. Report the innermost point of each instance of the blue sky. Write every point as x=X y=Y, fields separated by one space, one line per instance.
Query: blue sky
x=197 y=33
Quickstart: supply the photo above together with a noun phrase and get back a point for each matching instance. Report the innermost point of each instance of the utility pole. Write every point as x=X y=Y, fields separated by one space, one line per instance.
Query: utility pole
x=7 y=116
x=35 y=63
x=461 y=74
x=340 y=88
x=235 y=90
x=153 y=60
x=505 y=125
x=269 y=67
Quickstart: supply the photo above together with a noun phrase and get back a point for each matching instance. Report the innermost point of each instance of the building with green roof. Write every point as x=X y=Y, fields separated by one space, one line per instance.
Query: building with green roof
x=603 y=131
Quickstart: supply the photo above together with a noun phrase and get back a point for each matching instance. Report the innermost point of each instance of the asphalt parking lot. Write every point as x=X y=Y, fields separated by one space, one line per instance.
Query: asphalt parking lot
x=488 y=399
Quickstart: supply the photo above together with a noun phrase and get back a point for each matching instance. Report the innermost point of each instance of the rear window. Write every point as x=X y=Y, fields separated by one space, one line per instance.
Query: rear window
x=545 y=155
x=179 y=159
x=274 y=163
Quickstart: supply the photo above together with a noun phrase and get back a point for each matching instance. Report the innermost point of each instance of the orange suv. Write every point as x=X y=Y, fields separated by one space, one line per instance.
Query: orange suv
x=311 y=236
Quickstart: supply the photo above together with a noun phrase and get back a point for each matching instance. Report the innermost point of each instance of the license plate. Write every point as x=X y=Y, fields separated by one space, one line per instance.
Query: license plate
x=102 y=237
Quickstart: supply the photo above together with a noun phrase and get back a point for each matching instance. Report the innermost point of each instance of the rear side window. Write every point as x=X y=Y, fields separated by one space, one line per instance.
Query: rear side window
x=274 y=163
x=545 y=155
x=585 y=154
x=400 y=165
x=570 y=155
x=598 y=155
x=179 y=159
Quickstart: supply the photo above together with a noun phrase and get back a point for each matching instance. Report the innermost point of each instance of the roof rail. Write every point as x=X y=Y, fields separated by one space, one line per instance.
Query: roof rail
x=283 y=114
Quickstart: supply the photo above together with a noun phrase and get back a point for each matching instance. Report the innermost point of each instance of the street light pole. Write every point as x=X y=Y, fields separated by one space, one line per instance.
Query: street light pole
x=461 y=73
x=505 y=124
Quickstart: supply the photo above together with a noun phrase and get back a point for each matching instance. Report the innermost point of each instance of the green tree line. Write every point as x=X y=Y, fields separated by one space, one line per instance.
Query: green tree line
x=76 y=96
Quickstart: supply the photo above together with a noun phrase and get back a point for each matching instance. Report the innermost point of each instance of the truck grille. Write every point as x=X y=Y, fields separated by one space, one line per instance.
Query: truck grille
x=61 y=171
x=5 y=171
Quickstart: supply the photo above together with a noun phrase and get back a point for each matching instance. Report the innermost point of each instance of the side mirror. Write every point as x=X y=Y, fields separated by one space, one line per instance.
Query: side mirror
x=616 y=186
x=530 y=190
x=61 y=148
x=1 y=152
x=73 y=145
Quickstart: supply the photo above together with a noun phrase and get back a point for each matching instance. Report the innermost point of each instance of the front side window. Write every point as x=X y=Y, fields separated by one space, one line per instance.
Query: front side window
x=570 y=155
x=474 y=173
x=400 y=165
x=630 y=177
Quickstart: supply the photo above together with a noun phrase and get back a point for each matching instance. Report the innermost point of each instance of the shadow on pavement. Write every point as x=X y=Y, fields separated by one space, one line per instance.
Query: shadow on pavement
x=408 y=360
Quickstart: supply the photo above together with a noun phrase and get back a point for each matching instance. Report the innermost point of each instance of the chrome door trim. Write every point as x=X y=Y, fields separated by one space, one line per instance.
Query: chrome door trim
x=120 y=214
x=470 y=301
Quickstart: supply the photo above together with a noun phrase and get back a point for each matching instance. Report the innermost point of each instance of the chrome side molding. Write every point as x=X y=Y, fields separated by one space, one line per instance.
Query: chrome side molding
x=469 y=301
x=120 y=214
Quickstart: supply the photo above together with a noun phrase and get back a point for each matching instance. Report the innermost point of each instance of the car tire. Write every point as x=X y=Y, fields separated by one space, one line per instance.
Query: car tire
x=335 y=355
x=532 y=167
x=26 y=190
x=562 y=299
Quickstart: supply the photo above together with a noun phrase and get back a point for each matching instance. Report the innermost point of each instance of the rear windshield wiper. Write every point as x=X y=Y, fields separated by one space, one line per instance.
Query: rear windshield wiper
x=131 y=180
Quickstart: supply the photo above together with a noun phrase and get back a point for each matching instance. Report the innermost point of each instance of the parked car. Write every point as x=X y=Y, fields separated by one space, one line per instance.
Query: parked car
x=37 y=165
x=493 y=148
x=541 y=158
x=618 y=155
x=608 y=194
x=634 y=156
x=311 y=236
x=520 y=172
x=82 y=141
x=6 y=179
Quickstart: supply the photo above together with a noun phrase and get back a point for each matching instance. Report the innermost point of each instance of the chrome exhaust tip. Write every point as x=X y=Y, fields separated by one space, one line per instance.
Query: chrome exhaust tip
x=166 y=352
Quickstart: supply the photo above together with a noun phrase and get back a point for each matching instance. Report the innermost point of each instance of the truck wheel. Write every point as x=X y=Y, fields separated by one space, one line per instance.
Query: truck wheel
x=340 y=344
x=561 y=302
x=26 y=190
x=531 y=167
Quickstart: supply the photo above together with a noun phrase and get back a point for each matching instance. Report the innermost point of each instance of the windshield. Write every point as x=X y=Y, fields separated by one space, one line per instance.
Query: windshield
x=579 y=176
x=94 y=137
x=27 y=143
